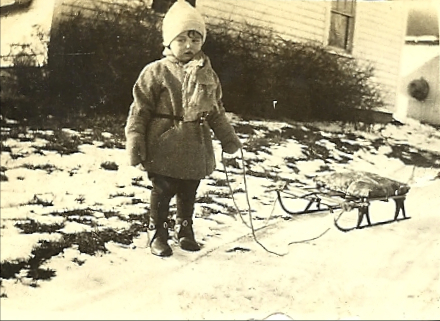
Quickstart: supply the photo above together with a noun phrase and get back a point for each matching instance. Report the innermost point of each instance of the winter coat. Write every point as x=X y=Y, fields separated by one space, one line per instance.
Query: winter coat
x=173 y=147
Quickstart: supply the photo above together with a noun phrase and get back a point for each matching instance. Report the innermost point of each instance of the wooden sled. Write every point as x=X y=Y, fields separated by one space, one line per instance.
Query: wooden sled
x=328 y=200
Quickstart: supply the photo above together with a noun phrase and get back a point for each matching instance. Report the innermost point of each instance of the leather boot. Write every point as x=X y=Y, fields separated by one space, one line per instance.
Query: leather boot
x=183 y=230
x=184 y=235
x=158 y=224
x=158 y=234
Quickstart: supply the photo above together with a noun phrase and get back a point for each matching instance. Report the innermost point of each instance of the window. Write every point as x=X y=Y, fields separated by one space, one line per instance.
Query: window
x=342 y=24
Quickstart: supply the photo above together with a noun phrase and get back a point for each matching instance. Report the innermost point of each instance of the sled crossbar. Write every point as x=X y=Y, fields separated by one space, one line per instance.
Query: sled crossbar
x=328 y=200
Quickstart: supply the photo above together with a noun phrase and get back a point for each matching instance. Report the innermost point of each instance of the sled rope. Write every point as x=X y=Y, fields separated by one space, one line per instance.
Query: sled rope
x=232 y=192
x=251 y=225
x=305 y=240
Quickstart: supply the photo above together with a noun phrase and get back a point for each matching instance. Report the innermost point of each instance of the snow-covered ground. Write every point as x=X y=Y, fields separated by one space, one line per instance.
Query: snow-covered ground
x=73 y=243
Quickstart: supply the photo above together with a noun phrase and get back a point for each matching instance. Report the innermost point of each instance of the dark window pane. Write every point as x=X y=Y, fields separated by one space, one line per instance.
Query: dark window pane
x=339 y=31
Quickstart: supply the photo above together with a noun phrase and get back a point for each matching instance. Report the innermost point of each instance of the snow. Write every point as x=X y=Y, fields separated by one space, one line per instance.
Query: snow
x=310 y=271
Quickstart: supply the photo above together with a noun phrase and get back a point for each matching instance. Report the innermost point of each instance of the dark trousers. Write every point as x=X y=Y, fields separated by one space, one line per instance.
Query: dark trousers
x=164 y=189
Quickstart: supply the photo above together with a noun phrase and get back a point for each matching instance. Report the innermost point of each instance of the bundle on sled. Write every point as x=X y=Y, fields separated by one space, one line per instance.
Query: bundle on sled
x=347 y=191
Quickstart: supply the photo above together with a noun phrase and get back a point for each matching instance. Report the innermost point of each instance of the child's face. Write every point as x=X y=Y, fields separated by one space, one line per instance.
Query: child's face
x=186 y=45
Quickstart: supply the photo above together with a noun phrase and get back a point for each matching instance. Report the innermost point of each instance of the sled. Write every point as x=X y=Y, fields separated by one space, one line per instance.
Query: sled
x=325 y=197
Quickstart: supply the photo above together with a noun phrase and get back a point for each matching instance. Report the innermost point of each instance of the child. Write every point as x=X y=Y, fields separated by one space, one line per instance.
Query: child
x=177 y=101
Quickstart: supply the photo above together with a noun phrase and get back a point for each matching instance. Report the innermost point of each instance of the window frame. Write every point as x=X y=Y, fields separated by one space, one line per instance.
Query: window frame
x=349 y=29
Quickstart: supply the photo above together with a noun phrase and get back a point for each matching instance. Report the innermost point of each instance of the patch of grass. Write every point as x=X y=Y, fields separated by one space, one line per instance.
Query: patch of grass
x=258 y=144
x=219 y=182
x=253 y=161
x=17 y=156
x=75 y=212
x=5 y=148
x=31 y=226
x=135 y=201
x=220 y=194
x=41 y=274
x=266 y=174
x=25 y=137
x=112 y=144
x=207 y=211
x=323 y=168
x=231 y=162
x=121 y=194
x=10 y=269
x=300 y=134
x=315 y=151
x=137 y=181
x=346 y=147
x=246 y=129
x=49 y=168
x=89 y=221
x=57 y=140
x=378 y=142
x=88 y=242
x=137 y=217
x=264 y=143
x=80 y=199
x=81 y=216
x=70 y=148
x=37 y=200
x=111 y=166
x=78 y=261
x=109 y=214
x=205 y=199
x=290 y=162
x=418 y=157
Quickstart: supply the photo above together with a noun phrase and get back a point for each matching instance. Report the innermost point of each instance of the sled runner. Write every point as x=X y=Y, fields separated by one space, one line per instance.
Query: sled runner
x=346 y=192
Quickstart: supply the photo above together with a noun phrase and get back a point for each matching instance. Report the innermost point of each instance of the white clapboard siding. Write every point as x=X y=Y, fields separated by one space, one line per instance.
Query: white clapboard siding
x=295 y=19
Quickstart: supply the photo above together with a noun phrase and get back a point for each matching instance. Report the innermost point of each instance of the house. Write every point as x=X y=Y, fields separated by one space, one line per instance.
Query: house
x=25 y=26
x=371 y=31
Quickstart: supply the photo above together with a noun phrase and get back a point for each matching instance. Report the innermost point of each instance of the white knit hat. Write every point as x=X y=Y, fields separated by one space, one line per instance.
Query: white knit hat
x=181 y=17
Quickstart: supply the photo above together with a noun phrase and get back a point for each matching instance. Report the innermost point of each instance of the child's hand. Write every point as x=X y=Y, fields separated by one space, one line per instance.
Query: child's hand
x=136 y=148
x=231 y=147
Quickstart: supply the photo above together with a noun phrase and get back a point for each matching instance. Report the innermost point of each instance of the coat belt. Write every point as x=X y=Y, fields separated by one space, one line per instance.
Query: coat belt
x=159 y=115
x=179 y=118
